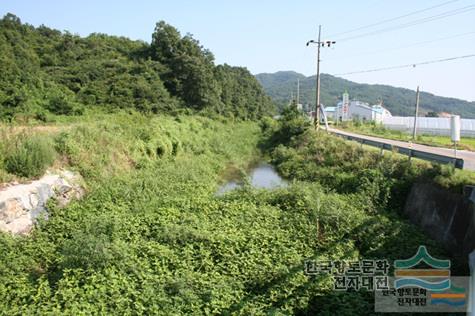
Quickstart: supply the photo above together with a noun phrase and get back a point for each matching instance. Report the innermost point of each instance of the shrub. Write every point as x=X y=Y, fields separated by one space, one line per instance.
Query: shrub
x=63 y=105
x=291 y=124
x=162 y=146
x=176 y=146
x=29 y=156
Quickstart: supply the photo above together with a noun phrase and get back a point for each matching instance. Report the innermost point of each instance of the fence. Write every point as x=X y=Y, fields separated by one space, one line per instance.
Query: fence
x=429 y=125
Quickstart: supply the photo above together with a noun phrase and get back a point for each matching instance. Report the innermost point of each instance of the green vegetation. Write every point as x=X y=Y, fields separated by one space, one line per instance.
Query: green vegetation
x=45 y=72
x=399 y=101
x=373 y=129
x=29 y=156
x=151 y=236
x=338 y=163
x=139 y=239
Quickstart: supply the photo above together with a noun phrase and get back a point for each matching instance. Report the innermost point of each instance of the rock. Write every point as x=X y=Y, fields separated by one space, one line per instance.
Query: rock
x=22 y=204
x=11 y=209
x=34 y=199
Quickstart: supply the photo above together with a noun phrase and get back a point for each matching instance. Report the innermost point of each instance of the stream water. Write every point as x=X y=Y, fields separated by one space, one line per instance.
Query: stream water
x=262 y=176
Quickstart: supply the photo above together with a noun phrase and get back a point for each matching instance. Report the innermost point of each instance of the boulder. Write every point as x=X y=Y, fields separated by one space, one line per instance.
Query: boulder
x=22 y=204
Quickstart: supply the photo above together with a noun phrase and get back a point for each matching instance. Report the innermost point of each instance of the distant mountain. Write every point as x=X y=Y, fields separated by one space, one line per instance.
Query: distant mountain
x=399 y=101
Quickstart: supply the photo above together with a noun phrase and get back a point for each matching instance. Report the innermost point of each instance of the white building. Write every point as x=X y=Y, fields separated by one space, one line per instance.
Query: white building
x=347 y=110
x=380 y=113
x=330 y=112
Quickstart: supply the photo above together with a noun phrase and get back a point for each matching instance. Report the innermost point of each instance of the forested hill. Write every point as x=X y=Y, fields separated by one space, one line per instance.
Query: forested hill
x=399 y=101
x=44 y=71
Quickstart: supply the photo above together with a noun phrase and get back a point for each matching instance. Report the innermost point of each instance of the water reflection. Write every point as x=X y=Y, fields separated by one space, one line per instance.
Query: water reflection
x=263 y=176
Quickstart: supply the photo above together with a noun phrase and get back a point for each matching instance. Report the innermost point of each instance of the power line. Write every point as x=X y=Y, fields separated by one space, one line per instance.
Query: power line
x=403 y=47
x=406 y=66
x=394 y=19
x=414 y=22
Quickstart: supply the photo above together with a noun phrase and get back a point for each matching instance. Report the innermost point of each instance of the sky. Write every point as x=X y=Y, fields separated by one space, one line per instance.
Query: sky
x=270 y=35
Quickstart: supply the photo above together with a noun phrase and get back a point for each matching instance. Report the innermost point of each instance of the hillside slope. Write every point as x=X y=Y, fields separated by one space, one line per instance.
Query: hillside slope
x=399 y=101
x=46 y=72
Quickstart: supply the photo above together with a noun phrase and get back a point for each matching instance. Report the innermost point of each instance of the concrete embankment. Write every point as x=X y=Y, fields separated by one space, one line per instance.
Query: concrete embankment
x=445 y=216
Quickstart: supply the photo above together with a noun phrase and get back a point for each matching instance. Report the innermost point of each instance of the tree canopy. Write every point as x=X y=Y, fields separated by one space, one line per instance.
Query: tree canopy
x=44 y=71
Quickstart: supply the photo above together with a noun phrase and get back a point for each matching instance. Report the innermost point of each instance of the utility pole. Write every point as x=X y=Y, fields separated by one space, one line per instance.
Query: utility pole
x=317 y=101
x=414 y=131
x=319 y=43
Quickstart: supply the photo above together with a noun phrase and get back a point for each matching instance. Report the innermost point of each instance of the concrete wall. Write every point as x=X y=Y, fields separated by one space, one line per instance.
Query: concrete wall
x=446 y=217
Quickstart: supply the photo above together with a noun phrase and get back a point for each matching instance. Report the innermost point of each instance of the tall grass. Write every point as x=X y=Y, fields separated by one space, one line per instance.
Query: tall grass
x=27 y=156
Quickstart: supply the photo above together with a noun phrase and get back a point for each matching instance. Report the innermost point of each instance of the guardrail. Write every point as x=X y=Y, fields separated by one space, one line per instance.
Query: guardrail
x=457 y=162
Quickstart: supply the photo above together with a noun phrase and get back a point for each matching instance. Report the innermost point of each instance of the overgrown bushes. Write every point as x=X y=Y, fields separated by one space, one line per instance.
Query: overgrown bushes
x=347 y=167
x=28 y=156
x=291 y=124
x=158 y=240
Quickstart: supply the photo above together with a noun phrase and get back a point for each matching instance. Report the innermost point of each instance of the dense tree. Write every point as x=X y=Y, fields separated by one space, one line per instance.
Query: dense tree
x=432 y=114
x=46 y=71
x=189 y=72
x=241 y=94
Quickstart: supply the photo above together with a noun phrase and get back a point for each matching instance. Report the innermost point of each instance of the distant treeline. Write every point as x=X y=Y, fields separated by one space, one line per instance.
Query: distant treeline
x=44 y=71
x=399 y=101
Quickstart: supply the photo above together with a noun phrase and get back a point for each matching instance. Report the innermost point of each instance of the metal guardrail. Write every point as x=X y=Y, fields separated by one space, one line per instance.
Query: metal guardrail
x=457 y=162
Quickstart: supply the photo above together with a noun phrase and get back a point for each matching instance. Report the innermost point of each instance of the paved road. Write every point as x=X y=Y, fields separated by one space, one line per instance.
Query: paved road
x=467 y=156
